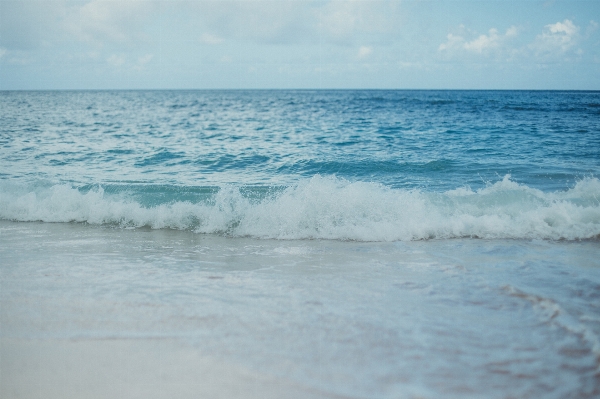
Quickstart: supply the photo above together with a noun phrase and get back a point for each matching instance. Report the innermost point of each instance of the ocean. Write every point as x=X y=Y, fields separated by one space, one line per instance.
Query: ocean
x=359 y=244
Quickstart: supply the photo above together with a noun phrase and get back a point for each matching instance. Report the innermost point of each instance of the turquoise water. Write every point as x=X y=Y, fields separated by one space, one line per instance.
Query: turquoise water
x=375 y=244
x=361 y=165
x=430 y=140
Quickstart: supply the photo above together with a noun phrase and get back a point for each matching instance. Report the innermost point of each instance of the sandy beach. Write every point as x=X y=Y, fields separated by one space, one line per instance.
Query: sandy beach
x=99 y=312
x=129 y=368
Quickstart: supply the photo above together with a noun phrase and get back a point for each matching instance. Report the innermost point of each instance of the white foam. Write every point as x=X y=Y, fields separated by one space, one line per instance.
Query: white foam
x=333 y=208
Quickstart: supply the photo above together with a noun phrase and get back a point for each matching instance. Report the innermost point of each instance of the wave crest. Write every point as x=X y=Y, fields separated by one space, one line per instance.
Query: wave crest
x=331 y=208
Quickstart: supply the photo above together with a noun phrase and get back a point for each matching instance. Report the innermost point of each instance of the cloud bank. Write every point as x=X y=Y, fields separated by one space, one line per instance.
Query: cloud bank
x=556 y=41
x=352 y=43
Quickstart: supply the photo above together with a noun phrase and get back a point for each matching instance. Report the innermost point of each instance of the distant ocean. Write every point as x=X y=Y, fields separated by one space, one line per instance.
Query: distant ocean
x=375 y=244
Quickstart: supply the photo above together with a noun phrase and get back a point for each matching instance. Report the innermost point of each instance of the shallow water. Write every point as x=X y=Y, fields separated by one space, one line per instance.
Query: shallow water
x=450 y=318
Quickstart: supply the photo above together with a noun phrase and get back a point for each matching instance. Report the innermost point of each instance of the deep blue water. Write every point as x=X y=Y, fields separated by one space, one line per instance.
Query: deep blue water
x=411 y=139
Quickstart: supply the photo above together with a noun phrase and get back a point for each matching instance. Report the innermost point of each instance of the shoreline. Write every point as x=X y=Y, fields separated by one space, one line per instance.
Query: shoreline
x=89 y=312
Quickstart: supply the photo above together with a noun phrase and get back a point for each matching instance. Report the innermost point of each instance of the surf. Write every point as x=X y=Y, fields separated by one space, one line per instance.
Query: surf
x=322 y=207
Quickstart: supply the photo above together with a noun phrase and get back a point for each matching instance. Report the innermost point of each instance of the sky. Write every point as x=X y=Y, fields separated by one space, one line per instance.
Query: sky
x=303 y=44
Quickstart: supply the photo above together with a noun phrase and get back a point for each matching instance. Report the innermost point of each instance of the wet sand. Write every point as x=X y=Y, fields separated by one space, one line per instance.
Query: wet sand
x=129 y=368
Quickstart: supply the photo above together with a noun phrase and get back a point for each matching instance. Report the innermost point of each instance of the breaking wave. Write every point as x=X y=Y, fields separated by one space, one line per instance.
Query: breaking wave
x=325 y=208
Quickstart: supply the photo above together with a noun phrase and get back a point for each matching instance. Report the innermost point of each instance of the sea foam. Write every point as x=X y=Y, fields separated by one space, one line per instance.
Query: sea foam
x=327 y=207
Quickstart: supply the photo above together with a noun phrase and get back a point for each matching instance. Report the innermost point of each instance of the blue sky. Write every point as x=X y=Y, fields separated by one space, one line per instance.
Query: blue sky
x=98 y=44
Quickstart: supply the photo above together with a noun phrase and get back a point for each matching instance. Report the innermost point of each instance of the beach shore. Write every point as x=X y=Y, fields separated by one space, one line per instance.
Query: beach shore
x=101 y=312
x=129 y=368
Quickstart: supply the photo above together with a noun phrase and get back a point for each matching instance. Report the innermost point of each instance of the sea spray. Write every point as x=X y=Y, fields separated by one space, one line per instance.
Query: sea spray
x=331 y=208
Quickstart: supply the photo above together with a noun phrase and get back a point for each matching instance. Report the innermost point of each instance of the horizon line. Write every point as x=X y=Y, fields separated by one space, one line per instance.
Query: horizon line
x=300 y=89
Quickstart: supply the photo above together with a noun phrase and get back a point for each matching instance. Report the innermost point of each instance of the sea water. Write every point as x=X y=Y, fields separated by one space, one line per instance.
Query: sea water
x=374 y=244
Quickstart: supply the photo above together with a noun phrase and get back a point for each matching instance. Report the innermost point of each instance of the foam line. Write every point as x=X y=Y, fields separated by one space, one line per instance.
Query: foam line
x=331 y=208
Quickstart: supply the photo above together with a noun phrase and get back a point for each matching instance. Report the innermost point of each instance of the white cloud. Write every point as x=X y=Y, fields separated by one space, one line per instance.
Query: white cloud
x=28 y=24
x=346 y=21
x=556 y=39
x=565 y=27
x=560 y=39
x=364 y=51
x=260 y=21
x=483 y=44
x=104 y=24
x=452 y=42
x=2 y=52
x=293 y=21
x=99 y=21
